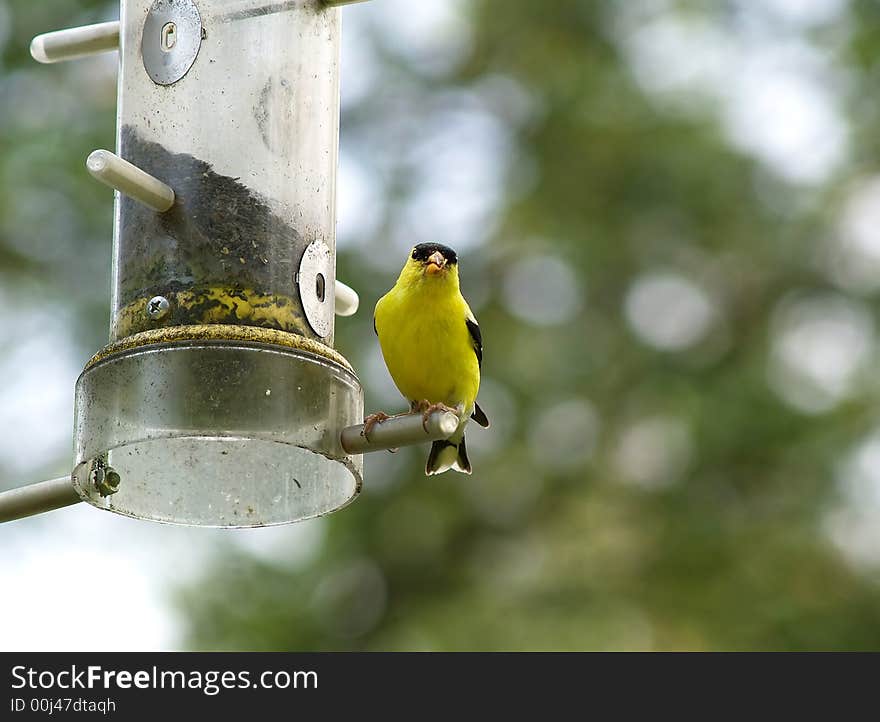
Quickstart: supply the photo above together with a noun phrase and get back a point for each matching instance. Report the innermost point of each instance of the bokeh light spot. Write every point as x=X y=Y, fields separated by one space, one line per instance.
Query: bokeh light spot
x=542 y=290
x=668 y=311
x=855 y=247
x=564 y=435
x=818 y=347
x=654 y=452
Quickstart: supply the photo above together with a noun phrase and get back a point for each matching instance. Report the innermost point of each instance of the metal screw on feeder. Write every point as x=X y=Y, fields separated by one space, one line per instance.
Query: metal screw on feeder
x=225 y=213
x=104 y=478
x=157 y=307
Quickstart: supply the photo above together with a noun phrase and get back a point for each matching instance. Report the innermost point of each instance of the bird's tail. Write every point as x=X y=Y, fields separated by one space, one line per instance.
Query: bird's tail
x=448 y=454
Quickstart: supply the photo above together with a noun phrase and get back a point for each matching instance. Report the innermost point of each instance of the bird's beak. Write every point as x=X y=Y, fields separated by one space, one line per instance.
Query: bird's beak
x=436 y=263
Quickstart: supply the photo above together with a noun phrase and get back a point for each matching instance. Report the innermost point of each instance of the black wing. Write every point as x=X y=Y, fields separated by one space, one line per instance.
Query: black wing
x=375 y=330
x=477 y=338
x=479 y=416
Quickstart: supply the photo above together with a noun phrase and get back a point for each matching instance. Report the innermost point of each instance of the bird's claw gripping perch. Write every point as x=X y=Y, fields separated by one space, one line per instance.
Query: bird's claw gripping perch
x=371 y=420
x=427 y=408
x=392 y=432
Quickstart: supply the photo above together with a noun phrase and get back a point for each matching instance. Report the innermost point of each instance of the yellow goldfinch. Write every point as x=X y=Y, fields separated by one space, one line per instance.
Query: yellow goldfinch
x=432 y=347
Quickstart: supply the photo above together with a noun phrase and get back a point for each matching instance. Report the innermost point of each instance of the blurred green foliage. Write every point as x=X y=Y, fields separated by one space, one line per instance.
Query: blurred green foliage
x=549 y=545
x=54 y=226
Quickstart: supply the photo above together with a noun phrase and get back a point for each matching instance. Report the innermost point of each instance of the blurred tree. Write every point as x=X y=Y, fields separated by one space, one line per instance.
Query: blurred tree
x=662 y=465
x=646 y=488
x=52 y=224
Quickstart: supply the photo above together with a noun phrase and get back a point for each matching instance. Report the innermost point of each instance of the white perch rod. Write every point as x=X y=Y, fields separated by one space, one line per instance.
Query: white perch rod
x=404 y=430
x=347 y=300
x=37 y=498
x=75 y=42
x=121 y=175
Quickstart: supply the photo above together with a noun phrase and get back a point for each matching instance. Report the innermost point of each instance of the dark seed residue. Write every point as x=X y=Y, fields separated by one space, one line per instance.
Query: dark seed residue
x=220 y=254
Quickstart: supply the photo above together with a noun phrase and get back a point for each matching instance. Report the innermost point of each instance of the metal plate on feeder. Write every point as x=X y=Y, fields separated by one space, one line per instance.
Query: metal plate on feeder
x=171 y=40
x=316 y=278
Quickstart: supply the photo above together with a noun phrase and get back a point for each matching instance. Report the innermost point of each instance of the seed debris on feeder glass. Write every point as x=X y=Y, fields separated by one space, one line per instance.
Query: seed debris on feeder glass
x=225 y=293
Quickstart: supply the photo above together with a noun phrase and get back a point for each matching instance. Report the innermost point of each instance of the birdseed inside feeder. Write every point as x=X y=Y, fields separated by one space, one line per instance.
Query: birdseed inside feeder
x=220 y=397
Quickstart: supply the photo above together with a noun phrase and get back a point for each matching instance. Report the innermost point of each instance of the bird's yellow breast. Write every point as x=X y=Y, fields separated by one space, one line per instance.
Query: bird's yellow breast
x=427 y=347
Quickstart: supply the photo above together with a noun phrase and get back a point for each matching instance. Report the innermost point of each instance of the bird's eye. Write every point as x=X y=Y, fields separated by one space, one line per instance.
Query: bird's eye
x=415 y=253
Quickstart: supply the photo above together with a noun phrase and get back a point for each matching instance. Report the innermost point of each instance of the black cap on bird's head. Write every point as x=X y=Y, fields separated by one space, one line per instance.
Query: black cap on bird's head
x=434 y=256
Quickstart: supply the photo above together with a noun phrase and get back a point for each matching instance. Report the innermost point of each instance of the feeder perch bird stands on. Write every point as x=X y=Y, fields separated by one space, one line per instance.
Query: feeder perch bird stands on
x=220 y=400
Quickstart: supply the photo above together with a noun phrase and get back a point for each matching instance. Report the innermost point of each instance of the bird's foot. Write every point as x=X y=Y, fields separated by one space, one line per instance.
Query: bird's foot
x=427 y=409
x=371 y=420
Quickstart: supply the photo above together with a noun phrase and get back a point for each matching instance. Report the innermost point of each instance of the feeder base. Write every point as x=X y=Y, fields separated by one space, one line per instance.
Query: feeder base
x=210 y=432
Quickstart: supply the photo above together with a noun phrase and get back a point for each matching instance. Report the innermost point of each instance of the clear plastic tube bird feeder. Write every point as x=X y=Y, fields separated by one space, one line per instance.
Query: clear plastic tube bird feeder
x=220 y=397
x=220 y=400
